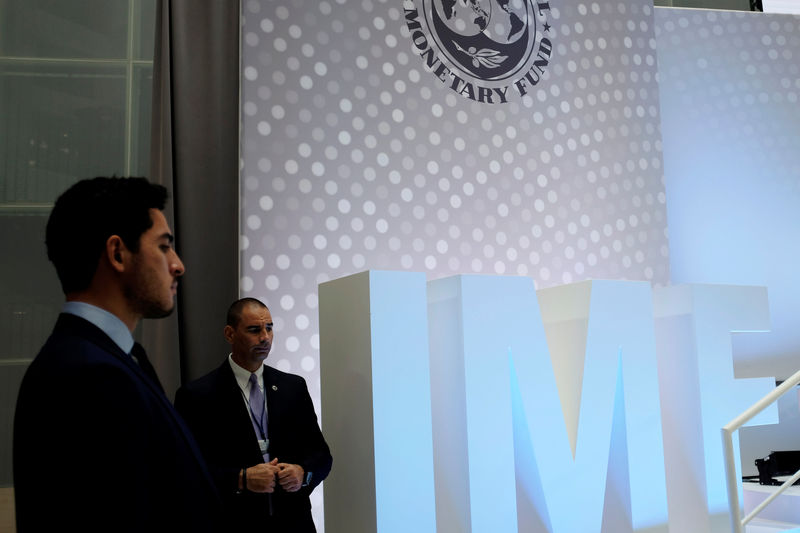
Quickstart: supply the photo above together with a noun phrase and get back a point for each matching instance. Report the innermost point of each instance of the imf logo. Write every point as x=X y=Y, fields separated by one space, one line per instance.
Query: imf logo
x=479 y=404
x=480 y=48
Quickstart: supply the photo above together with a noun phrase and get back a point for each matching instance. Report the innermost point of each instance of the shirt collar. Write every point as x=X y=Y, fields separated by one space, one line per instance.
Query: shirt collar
x=109 y=323
x=243 y=375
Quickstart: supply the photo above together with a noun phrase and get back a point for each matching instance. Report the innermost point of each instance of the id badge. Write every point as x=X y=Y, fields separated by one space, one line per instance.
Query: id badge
x=264 y=445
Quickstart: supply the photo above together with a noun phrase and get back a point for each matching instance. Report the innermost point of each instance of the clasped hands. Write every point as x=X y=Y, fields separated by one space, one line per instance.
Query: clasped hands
x=264 y=476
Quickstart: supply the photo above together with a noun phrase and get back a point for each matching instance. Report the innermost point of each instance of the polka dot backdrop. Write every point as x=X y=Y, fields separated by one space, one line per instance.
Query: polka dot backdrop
x=742 y=83
x=356 y=157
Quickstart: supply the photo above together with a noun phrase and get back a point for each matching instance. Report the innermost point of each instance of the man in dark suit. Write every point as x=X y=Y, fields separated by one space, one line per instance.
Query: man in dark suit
x=265 y=451
x=97 y=444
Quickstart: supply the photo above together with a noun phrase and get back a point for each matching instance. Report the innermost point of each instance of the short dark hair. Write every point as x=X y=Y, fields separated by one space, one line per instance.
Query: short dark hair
x=235 y=310
x=91 y=211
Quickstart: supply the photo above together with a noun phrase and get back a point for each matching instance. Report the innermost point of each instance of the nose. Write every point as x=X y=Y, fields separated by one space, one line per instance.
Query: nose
x=176 y=266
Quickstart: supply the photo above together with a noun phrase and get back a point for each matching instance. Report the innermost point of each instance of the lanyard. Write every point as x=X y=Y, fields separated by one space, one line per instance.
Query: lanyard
x=259 y=423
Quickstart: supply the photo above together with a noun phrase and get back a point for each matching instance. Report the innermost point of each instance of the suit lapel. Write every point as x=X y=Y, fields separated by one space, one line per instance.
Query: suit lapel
x=72 y=324
x=87 y=330
x=272 y=391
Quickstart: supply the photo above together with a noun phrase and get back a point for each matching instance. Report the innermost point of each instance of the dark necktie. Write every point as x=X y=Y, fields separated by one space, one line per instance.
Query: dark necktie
x=144 y=363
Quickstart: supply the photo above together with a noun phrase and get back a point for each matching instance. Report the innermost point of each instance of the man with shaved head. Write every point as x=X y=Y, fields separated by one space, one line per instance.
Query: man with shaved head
x=257 y=429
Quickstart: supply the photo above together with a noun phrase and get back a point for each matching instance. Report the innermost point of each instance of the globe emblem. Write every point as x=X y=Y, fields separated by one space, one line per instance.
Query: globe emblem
x=500 y=20
x=489 y=39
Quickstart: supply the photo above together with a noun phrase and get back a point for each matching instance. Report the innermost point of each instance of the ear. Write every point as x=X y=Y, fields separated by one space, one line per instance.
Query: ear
x=228 y=332
x=116 y=253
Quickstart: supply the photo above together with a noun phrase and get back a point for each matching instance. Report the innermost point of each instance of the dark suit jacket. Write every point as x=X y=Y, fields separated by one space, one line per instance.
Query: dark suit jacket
x=215 y=411
x=99 y=447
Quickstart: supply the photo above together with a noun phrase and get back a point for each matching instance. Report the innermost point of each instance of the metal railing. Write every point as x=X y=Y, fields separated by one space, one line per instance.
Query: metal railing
x=731 y=477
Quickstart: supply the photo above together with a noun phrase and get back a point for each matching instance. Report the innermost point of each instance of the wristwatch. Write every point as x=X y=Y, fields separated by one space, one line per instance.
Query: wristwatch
x=307 y=480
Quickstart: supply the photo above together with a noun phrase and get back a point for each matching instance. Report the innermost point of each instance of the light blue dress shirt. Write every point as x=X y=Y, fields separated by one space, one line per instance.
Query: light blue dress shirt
x=107 y=322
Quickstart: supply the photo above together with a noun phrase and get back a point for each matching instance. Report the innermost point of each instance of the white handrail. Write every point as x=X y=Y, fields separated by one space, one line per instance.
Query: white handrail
x=731 y=477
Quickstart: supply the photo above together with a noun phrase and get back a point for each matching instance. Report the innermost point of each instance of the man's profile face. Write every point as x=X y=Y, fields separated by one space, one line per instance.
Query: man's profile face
x=153 y=281
x=251 y=338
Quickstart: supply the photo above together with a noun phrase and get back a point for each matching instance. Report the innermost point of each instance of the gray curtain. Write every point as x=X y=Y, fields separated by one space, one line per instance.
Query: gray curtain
x=195 y=154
